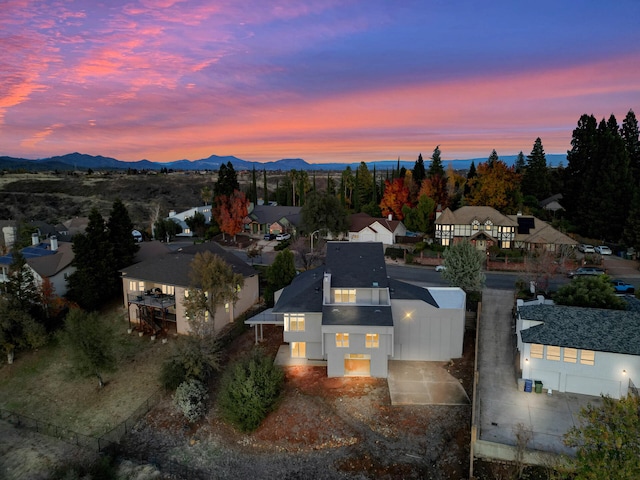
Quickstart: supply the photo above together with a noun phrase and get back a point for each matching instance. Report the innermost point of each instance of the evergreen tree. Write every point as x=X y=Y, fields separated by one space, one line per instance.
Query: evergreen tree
x=520 y=164
x=364 y=185
x=124 y=246
x=91 y=285
x=535 y=180
x=280 y=274
x=227 y=181
x=253 y=191
x=630 y=135
x=464 y=262
x=471 y=174
x=21 y=289
x=419 y=173
x=631 y=234
x=436 y=168
x=324 y=212
x=265 y=189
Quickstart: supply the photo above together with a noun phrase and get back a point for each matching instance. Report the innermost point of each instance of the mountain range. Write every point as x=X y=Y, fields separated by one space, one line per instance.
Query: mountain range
x=80 y=161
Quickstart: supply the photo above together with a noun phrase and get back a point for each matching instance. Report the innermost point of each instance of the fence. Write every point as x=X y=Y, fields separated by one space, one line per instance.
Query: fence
x=98 y=443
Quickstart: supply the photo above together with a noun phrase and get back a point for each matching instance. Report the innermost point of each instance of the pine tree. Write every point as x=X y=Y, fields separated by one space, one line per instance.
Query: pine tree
x=419 y=173
x=436 y=168
x=520 y=164
x=535 y=180
x=123 y=245
x=630 y=135
x=265 y=190
x=227 y=180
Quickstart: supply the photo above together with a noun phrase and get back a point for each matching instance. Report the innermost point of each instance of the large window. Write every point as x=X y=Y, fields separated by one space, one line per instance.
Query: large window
x=168 y=289
x=587 y=357
x=345 y=295
x=294 y=322
x=570 y=355
x=298 y=349
x=553 y=353
x=342 y=340
x=536 y=350
x=372 y=340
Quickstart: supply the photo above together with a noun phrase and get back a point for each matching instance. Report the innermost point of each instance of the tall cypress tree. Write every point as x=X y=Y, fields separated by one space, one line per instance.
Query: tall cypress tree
x=265 y=190
x=436 y=168
x=629 y=132
x=520 y=163
x=418 y=171
x=119 y=227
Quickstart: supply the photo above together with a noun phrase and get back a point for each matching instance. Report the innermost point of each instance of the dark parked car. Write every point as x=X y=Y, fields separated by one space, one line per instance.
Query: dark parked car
x=623 y=287
x=586 y=271
x=269 y=236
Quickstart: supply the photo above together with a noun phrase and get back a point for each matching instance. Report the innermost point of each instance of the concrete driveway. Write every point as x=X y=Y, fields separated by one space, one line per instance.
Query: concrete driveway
x=424 y=383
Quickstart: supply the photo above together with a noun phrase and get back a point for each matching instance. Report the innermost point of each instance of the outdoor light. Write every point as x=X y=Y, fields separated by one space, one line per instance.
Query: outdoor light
x=526 y=360
x=624 y=372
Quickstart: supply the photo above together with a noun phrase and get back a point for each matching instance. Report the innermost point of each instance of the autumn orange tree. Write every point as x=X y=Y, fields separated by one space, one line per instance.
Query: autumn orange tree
x=396 y=196
x=436 y=189
x=496 y=185
x=230 y=211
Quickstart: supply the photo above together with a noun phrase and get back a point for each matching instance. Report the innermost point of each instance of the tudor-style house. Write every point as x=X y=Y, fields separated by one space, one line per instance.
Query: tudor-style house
x=589 y=351
x=350 y=314
x=154 y=290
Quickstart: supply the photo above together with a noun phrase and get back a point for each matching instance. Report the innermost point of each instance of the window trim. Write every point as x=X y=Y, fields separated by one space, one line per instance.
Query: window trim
x=342 y=340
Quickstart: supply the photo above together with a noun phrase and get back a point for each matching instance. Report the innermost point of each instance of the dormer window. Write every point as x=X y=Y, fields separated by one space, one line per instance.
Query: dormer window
x=487 y=225
x=475 y=224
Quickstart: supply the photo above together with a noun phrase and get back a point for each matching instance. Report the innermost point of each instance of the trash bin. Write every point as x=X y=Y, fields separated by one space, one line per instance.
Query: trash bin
x=527 y=385
x=538 y=386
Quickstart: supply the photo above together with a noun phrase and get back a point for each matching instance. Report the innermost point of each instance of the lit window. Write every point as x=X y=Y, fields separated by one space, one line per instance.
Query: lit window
x=536 y=350
x=488 y=225
x=342 y=340
x=587 y=357
x=475 y=224
x=226 y=307
x=294 y=322
x=553 y=353
x=133 y=286
x=298 y=349
x=238 y=288
x=168 y=289
x=506 y=244
x=345 y=295
x=446 y=242
x=570 y=355
x=186 y=294
x=372 y=340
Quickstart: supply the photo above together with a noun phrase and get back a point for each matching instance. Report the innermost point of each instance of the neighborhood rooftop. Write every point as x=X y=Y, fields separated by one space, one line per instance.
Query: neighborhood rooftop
x=615 y=331
x=356 y=265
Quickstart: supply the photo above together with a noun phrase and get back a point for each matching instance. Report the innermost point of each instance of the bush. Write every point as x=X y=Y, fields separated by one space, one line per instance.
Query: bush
x=394 y=252
x=172 y=374
x=408 y=258
x=250 y=389
x=190 y=398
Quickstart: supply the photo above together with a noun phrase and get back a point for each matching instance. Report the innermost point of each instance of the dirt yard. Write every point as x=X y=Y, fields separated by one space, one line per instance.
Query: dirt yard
x=324 y=428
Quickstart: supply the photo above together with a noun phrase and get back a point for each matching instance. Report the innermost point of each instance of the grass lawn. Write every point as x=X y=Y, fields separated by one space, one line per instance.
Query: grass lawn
x=41 y=384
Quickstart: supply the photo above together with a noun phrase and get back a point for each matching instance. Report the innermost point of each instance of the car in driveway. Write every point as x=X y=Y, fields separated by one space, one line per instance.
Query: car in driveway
x=586 y=248
x=586 y=271
x=603 y=250
x=623 y=287
x=440 y=268
x=283 y=236
x=269 y=236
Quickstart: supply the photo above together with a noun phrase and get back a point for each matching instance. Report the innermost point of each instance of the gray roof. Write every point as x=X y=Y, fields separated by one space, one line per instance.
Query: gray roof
x=365 y=315
x=303 y=295
x=272 y=214
x=356 y=265
x=615 y=331
x=173 y=268
x=406 y=291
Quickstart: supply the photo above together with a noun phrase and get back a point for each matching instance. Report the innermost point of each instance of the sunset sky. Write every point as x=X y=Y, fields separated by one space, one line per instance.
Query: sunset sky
x=326 y=81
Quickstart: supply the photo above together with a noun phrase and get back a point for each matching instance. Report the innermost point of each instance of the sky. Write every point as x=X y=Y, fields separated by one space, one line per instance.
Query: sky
x=323 y=80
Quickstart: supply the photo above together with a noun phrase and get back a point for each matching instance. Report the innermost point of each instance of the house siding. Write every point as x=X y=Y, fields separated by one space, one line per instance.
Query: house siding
x=357 y=345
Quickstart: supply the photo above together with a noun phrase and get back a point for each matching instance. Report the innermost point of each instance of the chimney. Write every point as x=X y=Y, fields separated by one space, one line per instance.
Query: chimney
x=172 y=213
x=326 y=289
x=438 y=211
x=54 y=243
x=390 y=217
x=35 y=240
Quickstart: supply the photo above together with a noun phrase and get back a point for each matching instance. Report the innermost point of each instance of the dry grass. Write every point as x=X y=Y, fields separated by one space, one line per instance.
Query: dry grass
x=41 y=385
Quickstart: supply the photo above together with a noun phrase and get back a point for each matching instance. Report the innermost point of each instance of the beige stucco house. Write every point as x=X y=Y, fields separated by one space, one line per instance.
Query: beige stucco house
x=154 y=290
x=350 y=314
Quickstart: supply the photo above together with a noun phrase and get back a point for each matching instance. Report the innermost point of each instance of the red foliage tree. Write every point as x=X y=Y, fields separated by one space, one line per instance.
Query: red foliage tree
x=436 y=189
x=396 y=196
x=230 y=212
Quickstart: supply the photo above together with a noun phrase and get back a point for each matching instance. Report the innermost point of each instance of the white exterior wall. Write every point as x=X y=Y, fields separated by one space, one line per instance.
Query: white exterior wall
x=357 y=335
x=423 y=332
x=58 y=281
x=312 y=336
x=609 y=375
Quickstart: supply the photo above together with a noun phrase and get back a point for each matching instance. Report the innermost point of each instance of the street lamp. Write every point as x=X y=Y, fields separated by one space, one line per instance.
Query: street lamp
x=312 y=234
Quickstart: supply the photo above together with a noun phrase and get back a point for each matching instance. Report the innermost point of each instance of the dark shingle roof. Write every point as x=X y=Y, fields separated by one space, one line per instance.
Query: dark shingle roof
x=356 y=265
x=304 y=295
x=615 y=331
x=369 y=315
x=173 y=268
x=406 y=291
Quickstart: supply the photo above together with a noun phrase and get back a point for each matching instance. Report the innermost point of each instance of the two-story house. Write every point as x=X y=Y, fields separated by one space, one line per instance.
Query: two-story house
x=590 y=351
x=154 y=290
x=482 y=226
x=350 y=314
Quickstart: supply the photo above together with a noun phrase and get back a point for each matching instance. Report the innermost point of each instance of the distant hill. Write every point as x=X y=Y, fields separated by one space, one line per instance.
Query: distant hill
x=80 y=161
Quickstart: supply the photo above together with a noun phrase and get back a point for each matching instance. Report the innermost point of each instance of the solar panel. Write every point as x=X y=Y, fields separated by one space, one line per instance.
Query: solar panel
x=525 y=224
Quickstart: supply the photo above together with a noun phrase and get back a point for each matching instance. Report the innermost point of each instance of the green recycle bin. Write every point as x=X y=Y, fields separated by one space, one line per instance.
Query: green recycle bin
x=538 y=386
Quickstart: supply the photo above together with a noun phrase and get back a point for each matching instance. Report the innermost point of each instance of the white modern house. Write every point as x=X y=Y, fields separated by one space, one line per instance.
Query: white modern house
x=365 y=228
x=579 y=350
x=350 y=314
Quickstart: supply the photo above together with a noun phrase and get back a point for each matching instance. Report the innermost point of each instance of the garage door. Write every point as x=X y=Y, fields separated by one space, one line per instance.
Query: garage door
x=357 y=365
x=593 y=386
x=548 y=378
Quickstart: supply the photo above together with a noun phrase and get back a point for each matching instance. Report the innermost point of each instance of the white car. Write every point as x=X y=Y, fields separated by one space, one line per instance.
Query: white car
x=283 y=236
x=603 y=250
x=584 y=248
x=440 y=268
